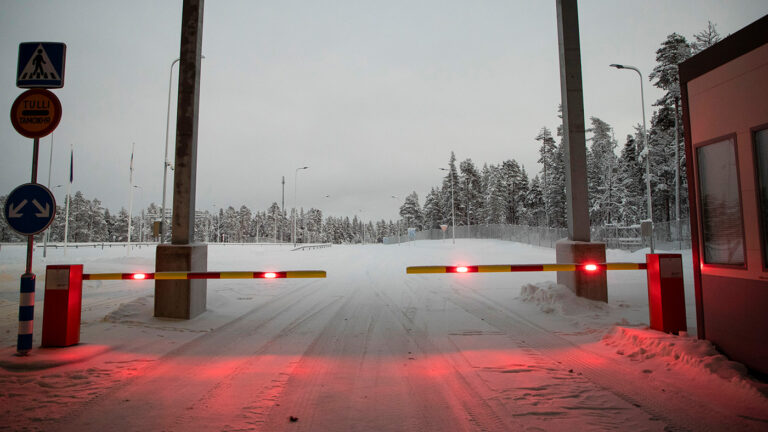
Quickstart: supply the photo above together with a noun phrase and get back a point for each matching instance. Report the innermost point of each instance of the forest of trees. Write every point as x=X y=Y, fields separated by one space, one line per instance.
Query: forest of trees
x=502 y=193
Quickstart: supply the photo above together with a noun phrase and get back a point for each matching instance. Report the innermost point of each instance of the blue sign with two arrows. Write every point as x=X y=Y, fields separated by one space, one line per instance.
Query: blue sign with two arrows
x=30 y=208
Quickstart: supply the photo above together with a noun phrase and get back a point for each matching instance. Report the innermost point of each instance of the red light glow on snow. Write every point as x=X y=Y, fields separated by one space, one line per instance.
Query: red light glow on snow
x=139 y=276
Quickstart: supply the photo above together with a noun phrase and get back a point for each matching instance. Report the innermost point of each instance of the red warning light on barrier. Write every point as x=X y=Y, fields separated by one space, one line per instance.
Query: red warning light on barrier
x=590 y=267
x=461 y=269
x=270 y=275
x=139 y=276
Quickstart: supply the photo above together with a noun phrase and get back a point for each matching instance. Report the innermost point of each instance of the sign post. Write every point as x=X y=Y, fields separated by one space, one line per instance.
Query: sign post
x=30 y=208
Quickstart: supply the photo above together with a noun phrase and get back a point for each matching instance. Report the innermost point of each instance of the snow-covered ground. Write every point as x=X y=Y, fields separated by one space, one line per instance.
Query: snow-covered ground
x=367 y=348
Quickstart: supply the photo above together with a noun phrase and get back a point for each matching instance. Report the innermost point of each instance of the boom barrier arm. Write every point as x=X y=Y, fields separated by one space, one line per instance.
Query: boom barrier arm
x=295 y=274
x=506 y=268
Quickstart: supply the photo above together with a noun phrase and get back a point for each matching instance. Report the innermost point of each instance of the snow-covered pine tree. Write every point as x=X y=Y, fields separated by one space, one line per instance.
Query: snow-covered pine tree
x=411 y=213
x=433 y=209
x=534 y=202
x=510 y=174
x=246 y=225
x=470 y=194
x=674 y=50
x=79 y=215
x=97 y=226
x=450 y=183
x=230 y=225
x=314 y=224
x=558 y=212
x=630 y=185
x=550 y=159
x=521 y=196
x=6 y=233
x=705 y=38
x=496 y=197
x=660 y=140
x=120 y=227
x=601 y=163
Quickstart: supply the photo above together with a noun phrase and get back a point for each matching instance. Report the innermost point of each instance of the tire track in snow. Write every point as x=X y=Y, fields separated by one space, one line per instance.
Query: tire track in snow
x=679 y=411
x=467 y=409
x=185 y=375
x=240 y=391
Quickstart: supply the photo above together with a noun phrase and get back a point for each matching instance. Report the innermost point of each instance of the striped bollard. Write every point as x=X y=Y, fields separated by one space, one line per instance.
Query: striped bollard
x=26 y=313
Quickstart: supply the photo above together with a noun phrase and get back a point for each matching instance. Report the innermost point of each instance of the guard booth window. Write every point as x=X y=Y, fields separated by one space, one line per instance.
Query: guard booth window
x=761 y=159
x=722 y=232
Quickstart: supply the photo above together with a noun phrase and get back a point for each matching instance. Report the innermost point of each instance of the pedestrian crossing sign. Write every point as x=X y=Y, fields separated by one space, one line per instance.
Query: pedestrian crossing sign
x=41 y=65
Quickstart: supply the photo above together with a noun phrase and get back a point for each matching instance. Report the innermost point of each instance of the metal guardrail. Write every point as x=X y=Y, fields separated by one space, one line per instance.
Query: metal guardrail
x=313 y=246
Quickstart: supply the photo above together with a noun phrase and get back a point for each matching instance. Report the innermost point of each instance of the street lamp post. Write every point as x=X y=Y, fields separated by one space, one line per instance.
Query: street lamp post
x=282 y=213
x=166 y=164
x=130 y=216
x=130 y=203
x=453 y=207
x=647 y=150
x=218 y=223
x=165 y=160
x=295 y=209
x=468 y=183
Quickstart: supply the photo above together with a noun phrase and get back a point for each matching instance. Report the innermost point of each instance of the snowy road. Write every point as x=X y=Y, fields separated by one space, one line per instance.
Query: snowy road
x=370 y=348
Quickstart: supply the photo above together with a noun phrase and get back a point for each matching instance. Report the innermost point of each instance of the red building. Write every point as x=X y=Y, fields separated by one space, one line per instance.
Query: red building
x=724 y=92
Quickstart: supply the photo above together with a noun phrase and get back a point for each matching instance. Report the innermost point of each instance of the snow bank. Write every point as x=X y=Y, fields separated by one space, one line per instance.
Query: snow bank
x=553 y=298
x=683 y=351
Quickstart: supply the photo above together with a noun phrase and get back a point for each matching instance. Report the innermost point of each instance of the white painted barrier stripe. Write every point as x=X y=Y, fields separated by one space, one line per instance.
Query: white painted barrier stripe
x=26 y=327
x=27 y=299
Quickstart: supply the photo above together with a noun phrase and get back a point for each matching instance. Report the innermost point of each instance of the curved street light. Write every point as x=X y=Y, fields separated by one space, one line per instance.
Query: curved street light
x=646 y=150
x=166 y=164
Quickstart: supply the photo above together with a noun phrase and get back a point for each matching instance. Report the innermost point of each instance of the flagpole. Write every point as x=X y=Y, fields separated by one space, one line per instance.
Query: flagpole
x=130 y=202
x=48 y=231
x=69 y=190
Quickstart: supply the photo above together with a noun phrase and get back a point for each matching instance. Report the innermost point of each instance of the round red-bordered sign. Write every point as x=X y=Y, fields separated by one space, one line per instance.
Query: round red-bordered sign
x=36 y=113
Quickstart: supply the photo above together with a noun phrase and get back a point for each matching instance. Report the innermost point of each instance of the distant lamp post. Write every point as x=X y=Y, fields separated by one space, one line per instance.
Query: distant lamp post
x=295 y=207
x=218 y=223
x=647 y=150
x=468 y=184
x=166 y=164
x=141 y=221
x=453 y=207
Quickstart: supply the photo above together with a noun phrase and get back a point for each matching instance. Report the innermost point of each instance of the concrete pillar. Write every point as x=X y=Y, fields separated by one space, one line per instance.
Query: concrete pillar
x=572 y=96
x=591 y=285
x=185 y=298
x=577 y=249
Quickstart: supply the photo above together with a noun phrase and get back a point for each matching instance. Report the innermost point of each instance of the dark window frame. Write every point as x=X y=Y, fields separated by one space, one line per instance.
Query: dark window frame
x=761 y=225
x=732 y=137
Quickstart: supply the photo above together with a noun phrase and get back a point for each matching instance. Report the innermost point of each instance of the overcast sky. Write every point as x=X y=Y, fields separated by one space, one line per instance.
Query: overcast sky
x=371 y=95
